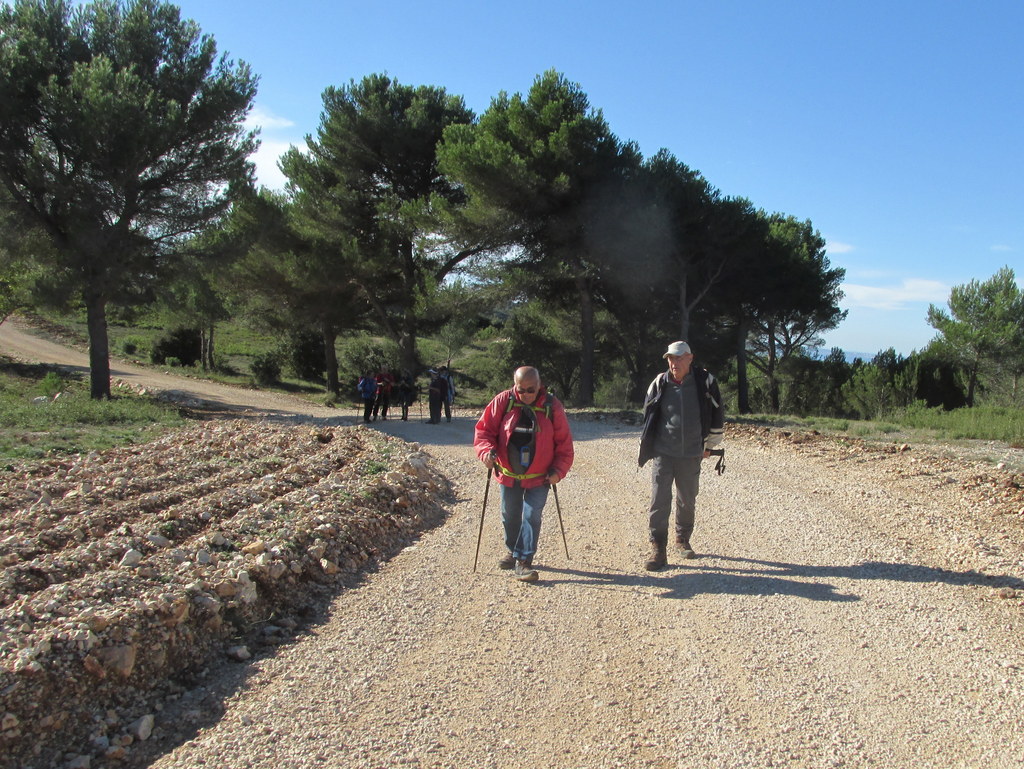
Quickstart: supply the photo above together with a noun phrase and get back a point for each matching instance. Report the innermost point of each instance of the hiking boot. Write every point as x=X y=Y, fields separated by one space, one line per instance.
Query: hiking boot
x=685 y=551
x=525 y=573
x=657 y=559
x=508 y=562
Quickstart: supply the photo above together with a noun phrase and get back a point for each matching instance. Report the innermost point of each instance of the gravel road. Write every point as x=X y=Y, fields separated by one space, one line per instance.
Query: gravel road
x=835 y=618
x=848 y=609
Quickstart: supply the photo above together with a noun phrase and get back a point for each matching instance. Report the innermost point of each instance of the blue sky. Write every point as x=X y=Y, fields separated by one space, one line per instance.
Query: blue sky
x=897 y=128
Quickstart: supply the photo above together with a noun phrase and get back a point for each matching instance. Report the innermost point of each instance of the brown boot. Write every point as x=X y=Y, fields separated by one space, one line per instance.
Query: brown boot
x=657 y=559
x=683 y=546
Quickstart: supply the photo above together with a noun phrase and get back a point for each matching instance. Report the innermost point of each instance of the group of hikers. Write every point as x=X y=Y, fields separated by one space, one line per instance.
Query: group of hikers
x=386 y=388
x=524 y=439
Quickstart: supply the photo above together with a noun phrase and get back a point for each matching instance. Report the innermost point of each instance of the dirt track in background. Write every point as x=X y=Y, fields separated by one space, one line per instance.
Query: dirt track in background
x=19 y=341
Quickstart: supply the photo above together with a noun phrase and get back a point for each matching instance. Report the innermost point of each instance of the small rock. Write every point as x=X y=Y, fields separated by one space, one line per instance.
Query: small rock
x=131 y=558
x=247 y=592
x=9 y=721
x=142 y=729
x=203 y=557
x=1007 y=592
x=159 y=540
x=329 y=566
x=118 y=659
x=254 y=548
x=225 y=588
x=79 y=762
x=239 y=653
x=207 y=602
x=217 y=539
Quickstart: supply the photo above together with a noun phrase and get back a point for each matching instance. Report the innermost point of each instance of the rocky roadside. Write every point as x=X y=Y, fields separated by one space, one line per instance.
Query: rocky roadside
x=127 y=574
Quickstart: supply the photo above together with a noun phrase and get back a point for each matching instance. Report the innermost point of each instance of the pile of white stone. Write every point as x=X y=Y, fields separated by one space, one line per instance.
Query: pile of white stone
x=124 y=571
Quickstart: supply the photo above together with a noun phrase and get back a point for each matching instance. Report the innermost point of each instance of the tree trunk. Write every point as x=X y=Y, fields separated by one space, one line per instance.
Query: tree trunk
x=771 y=370
x=99 y=346
x=742 y=383
x=206 y=351
x=331 y=359
x=972 y=383
x=684 y=310
x=585 y=397
x=407 y=350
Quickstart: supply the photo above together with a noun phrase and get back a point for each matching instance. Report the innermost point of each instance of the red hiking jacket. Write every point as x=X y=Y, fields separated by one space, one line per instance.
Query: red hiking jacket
x=553 y=448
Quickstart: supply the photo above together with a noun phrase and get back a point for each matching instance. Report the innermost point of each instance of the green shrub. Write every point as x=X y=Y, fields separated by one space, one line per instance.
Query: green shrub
x=305 y=354
x=266 y=369
x=51 y=384
x=185 y=344
x=613 y=392
x=365 y=355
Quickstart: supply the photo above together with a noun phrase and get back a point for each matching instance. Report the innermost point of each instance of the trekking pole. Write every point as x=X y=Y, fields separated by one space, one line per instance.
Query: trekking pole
x=480 y=533
x=558 y=507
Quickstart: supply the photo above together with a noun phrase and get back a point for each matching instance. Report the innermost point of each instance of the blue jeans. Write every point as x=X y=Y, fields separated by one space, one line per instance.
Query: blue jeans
x=521 y=511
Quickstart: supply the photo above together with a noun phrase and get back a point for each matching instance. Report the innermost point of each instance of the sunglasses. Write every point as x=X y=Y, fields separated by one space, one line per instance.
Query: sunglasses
x=526 y=390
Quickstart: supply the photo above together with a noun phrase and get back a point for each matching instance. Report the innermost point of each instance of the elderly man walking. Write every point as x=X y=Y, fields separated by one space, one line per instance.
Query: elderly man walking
x=524 y=437
x=683 y=421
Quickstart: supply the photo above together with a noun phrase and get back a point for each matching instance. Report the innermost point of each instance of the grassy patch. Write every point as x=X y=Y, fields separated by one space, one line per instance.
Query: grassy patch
x=33 y=423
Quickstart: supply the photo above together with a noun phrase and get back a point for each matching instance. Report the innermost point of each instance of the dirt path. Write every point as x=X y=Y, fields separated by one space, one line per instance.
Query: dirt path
x=19 y=341
x=827 y=623
x=845 y=612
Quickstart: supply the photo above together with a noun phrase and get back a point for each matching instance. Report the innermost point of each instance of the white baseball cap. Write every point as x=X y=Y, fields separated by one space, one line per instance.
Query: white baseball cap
x=677 y=348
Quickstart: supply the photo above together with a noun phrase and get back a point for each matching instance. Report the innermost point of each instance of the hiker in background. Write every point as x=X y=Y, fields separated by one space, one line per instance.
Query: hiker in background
x=683 y=421
x=436 y=395
x=385 y=381
x=524 y=436
x=449 y=399
x=407 y=394
x=368 y=392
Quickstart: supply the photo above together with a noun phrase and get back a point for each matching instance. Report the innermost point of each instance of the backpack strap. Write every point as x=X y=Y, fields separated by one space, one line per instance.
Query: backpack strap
x=546 y=408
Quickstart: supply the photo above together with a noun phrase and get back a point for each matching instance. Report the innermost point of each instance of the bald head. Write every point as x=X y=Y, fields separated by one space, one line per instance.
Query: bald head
x=527 y=380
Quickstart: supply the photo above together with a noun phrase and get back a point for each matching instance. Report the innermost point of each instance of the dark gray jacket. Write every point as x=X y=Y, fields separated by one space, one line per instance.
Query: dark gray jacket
x=712 y=415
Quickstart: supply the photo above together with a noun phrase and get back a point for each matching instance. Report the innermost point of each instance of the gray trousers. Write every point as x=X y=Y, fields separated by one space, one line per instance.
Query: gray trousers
x=684 y=473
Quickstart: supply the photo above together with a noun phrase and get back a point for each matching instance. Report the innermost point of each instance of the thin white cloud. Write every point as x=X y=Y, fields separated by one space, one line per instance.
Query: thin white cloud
x=895 y=297
x=261 y=117
x=838 y=247
x=265 y=158
x=1001 y=248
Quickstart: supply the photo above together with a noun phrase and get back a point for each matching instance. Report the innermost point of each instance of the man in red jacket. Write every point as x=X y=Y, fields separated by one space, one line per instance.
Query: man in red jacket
x=524 y=437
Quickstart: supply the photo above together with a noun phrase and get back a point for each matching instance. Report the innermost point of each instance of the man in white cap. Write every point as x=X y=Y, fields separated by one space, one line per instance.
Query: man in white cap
x=683 y=421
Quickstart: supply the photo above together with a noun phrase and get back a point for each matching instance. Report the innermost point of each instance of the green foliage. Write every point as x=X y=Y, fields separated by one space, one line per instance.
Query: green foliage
x=266 y=369
x=547 y=340
x=121 y=131
x=304 y=352
x=878 y=390
x=51 y=384
x=131 y=345
x=366 y=355
x=983 y=328
x=615 y=392
x=182 y=344
x=993 y=423
x=73 y=423
x=370 y=188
